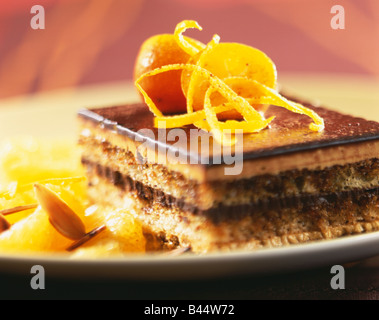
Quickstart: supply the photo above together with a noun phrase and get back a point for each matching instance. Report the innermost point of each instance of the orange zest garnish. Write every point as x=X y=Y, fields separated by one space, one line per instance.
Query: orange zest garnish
x=189 y=118
x=223 y=78
x=185 y=44
x=194 y=76
x=239 y=103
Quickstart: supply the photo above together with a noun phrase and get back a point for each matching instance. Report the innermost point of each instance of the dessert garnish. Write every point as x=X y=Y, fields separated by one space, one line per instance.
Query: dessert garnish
x=6 y=212
x=225 y=85
x=44 y=205
x=4 y=224
x=63 y=218
x=88 y=236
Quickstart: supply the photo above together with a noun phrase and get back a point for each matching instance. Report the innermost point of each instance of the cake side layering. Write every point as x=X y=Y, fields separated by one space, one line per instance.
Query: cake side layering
x=295 y=186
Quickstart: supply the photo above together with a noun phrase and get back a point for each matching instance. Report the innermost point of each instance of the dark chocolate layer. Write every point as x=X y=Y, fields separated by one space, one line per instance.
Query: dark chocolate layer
x=304 y=203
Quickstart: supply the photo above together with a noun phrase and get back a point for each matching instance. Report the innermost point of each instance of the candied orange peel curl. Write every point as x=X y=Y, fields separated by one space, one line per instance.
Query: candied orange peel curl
x=225 y=85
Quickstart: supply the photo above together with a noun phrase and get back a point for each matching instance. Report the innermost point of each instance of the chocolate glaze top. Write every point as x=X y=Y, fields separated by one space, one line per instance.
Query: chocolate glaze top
x=288 y=132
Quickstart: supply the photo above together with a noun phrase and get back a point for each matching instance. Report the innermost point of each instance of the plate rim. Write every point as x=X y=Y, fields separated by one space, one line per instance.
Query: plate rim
x=264 y=261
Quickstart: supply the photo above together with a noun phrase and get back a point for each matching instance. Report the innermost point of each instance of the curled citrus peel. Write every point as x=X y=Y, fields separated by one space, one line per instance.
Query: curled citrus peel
x=238 y=102
x=193 y=77
x=190 y=48
x=189 y=118
x=223 y=78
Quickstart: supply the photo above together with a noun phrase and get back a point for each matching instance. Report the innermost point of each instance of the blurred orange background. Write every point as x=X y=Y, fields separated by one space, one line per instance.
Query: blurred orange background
x=96 y=41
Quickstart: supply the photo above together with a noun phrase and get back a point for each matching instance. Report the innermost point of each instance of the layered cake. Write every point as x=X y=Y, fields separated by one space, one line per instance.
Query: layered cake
x=292 y=185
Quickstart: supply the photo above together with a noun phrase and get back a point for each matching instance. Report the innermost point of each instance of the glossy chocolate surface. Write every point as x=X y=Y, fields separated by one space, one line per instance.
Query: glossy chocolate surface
x=288 y=132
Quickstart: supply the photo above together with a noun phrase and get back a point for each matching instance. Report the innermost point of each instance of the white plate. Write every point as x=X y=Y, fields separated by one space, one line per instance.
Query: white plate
x=53 y=114
x=146 y=267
